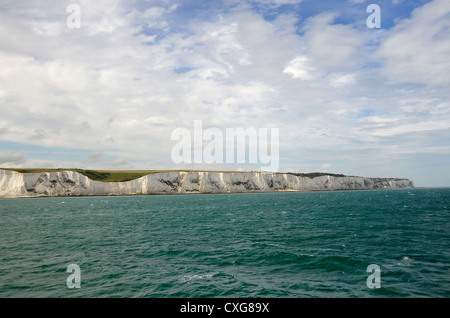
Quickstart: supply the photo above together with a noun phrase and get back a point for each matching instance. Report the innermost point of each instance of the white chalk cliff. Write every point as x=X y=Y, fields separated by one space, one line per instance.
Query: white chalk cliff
x=71 y=183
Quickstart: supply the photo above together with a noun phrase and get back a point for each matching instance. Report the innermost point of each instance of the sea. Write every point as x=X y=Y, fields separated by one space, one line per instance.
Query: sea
x=336 y=244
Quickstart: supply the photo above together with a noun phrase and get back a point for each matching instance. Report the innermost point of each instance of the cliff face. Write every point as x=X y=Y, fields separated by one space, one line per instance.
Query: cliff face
x=71 y=183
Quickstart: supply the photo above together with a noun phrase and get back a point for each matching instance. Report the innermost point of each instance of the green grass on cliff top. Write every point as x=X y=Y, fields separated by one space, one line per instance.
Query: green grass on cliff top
x=98 y=175
x=128 y=175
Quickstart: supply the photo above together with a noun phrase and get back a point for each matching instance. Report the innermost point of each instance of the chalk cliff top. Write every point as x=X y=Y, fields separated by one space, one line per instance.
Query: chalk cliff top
x=128 y=175
x=75 y=183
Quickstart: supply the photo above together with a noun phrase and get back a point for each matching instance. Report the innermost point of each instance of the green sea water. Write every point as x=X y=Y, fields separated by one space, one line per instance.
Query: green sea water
x=315 y=244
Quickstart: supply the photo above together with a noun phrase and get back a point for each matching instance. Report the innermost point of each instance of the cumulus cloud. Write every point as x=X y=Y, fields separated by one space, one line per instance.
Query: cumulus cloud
x=339 y=80
x=118 y=86
x=334 y=47
x=416 y=50
x=299 y=68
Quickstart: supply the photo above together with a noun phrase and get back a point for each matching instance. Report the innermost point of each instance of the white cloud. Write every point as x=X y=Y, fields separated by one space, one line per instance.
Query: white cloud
x=342 y=80
x=416 y=50
x=334 y=47
x=299 y=68
x=121 y=83
x=413 y=128
x=46 y=28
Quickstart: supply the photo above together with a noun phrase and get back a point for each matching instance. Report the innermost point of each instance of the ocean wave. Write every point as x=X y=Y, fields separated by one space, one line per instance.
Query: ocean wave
x=188 y=277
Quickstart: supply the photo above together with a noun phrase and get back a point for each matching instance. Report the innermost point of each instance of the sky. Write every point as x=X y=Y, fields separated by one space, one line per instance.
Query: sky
x=109 y=92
